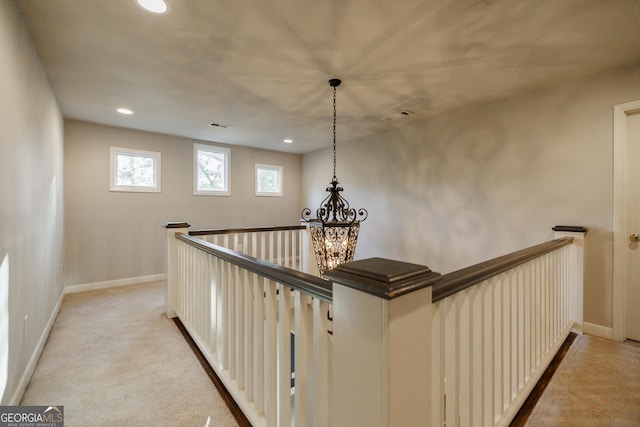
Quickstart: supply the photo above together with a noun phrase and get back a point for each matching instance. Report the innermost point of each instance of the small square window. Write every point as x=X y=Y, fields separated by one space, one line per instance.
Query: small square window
x=134 y=170
x=210 y=170
x=268 y=180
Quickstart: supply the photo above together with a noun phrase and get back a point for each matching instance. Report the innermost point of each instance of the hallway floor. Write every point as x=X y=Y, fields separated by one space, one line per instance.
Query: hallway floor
x=596 y=384
x=114 y=359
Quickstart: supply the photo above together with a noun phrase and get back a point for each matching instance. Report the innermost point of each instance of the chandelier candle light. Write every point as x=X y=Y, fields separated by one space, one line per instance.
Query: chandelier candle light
x=334 y=231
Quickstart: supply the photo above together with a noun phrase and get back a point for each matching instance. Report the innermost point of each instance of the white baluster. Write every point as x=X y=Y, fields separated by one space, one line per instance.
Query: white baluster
x=248 y=353
x=477 y=361
x=320 y=375
x=271 y=355
x=259 y=344
x=303 y=354
x=488 y=336
x=437 y=364
x=465 y=351
x=239 y=327
x=284 y=354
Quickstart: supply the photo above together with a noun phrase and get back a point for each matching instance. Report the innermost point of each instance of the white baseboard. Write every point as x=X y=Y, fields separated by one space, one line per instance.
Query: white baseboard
x=71 y=289
x=35 y=357
x=598 y=330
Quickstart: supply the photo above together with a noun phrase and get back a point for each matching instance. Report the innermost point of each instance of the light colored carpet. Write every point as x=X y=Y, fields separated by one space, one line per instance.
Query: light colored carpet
x=597 y=384
x=114 y=359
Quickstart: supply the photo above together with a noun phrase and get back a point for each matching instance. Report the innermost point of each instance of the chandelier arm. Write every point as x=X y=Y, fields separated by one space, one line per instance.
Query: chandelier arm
x=304 y=215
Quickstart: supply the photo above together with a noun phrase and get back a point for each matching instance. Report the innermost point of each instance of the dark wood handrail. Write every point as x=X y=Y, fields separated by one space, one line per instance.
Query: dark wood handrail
x=447 y=285
x=460 y=280
x=303 y=282
x=245 y=230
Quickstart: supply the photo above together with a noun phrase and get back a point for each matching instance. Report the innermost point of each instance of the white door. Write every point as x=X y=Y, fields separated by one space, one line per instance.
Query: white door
x=633 y=227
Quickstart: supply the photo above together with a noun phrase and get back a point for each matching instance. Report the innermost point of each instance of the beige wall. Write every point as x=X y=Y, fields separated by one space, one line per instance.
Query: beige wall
x=31 y=204
x=466 y=187
x=115 y=235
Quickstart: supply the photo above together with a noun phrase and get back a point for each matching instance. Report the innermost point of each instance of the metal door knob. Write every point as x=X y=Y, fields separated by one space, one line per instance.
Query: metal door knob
x=635 y=237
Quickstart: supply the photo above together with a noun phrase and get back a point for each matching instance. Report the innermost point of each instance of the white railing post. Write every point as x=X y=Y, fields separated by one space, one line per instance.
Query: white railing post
x=382 y=371
x=577 y=274
x=308 y=262
x=171 y=274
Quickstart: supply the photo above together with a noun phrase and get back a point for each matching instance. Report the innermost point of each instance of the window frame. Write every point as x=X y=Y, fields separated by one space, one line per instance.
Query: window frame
x=280 y=173
x=113 y=170
x=197 y=147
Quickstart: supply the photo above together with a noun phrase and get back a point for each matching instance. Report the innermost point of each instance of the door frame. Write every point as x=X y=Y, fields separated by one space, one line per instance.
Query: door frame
x=619 y=318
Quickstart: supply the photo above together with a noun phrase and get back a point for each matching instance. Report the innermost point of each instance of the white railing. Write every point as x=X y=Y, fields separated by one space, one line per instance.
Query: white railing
x=284 y=246
x=409 y=346
x=242 y=313
x=464 y=349
x=497 y=337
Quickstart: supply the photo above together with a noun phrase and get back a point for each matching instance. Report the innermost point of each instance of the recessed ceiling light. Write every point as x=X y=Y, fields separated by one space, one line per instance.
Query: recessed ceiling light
x=126 y=111
x=288 y=141
x=155 y=6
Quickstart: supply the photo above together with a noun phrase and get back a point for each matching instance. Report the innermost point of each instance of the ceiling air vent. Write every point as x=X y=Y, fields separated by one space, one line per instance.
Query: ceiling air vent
x=398 y=115
x=218 y=125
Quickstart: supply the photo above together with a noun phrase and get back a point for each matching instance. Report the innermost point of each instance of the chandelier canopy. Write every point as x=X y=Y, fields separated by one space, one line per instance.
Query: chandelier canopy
x=334 y=230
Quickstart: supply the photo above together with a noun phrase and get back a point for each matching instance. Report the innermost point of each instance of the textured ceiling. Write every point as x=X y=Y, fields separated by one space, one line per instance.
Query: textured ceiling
x=261 y=66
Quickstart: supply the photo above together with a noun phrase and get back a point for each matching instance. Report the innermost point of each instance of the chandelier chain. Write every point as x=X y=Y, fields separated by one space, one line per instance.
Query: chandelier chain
x=334 y=133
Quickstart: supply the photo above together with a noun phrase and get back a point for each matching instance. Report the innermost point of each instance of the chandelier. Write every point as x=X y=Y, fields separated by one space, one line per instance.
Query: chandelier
x=334 y=230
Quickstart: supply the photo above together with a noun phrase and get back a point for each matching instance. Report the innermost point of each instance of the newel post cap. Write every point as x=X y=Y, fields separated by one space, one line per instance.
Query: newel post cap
x=381 y=277
x=570 y=228
x=176 y=225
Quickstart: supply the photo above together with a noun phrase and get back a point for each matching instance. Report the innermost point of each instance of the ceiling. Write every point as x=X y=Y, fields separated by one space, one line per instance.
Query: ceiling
x=260 y=67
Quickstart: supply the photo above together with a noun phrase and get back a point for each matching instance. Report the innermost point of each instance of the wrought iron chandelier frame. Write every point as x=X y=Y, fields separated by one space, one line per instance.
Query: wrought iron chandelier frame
x=334 y=230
